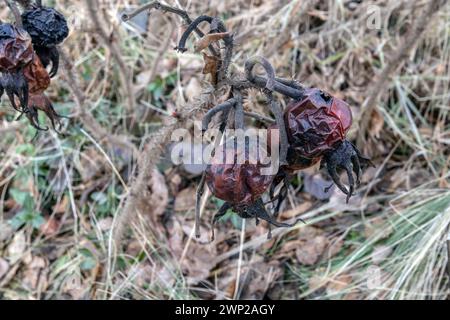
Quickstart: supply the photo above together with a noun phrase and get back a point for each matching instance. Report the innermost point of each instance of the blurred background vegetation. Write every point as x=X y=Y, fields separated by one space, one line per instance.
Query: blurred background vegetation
x=62 y=196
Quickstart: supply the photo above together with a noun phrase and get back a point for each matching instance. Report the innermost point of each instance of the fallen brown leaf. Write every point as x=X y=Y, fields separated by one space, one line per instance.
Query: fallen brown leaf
x=61 y=206
x=17 y=247
x=185 y=200
x=50 y=227
x=35 y=274
x=6 y=231
x=311 y=250
x=376 y=124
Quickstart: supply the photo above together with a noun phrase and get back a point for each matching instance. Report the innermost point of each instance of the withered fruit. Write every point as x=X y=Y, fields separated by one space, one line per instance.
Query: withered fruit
x=16 y=50
x=317 y=122
x=46 y=26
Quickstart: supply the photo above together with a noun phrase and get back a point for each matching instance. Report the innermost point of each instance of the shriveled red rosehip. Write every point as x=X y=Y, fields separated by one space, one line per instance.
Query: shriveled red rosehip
x=46 y=26
x=239 y=184
x=317 y=122
x=16 y=50
x=37 y=76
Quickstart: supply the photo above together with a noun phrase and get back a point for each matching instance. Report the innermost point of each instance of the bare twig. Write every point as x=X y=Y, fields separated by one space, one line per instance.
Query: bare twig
x=159 y=6
x=259 y=117
x=26 y=4
x=15 y=10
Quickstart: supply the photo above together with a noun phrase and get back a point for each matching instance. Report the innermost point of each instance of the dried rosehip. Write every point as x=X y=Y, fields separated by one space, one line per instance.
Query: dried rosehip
x=46 y=26
x=37 y=76
x=16 y=50
x=317 y=122
x=240 y=185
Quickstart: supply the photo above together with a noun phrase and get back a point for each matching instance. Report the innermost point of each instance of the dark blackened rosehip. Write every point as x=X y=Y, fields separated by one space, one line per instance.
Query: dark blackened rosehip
x=46 y=26
x=316 y=123
x=238 y=184
x=37 y=76
x=16 y=50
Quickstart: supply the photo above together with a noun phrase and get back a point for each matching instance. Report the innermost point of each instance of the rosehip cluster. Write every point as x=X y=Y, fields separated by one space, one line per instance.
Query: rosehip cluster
x=312 y=128
x=26 y=49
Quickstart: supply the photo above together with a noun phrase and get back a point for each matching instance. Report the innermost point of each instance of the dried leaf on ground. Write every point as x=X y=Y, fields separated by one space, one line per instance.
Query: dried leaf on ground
x=316 y=186
x=311 y=250
x=6 y=231
x=91 y=163
x=157 y=196
x=193 y=89
x=339 y=284
x=185 y=200
x=4 y=267
x=298 y=210
x=36 y=274
x=198 y=259
x=260 y=277
x=50 y=227
x=17 y=247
